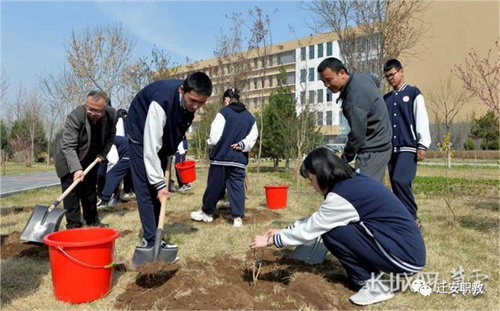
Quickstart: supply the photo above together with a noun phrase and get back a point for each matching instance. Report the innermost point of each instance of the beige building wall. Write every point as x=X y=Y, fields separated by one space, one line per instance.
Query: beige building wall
x=454 y=28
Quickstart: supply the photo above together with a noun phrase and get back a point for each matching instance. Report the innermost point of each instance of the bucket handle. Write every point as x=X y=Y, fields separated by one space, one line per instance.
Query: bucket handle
x=73 y=259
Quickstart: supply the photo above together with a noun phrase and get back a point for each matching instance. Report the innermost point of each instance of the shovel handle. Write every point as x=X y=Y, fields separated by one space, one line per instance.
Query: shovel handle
x=161 y=220
x=72 y=186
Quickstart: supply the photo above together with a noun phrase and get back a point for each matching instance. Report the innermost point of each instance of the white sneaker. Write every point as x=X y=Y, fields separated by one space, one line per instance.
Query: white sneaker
x=184 y=188
x=126 y=197
x=201 y=216
x=370 y=293
x=237 y=222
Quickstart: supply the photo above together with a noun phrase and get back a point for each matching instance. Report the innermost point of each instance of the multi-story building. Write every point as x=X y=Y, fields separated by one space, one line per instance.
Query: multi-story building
x=454 y=32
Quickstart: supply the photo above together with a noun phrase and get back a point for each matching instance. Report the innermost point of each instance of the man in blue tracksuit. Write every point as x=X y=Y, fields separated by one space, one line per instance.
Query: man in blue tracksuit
x=360 y=222
x=158 y=119
x=232 y=135
x=410 y=133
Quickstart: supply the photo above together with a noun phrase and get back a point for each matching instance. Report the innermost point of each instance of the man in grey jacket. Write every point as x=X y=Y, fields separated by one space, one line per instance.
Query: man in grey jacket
x=369 y=140
x=87 y=134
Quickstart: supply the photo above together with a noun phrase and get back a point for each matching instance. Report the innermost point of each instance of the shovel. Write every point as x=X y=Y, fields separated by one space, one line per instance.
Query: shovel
x=144 y=255
x=311 y=254
x=45 y=220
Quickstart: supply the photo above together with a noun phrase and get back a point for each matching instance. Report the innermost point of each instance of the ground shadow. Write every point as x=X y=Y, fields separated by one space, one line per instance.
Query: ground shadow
x=4 y=211
x=490 y=205
x=17 y=258
x=483 y=224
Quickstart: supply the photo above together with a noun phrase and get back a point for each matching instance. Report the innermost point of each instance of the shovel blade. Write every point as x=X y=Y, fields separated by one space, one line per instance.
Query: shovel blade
x=41 y=223
x=310 y=254
x=144 y=255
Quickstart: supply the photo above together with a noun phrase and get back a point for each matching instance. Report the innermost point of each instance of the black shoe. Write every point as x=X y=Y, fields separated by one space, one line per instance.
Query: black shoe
x=99 y=224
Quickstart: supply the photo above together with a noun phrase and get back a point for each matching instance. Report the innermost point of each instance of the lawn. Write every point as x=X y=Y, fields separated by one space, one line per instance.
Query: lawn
x=12 y=168
x=458 y=208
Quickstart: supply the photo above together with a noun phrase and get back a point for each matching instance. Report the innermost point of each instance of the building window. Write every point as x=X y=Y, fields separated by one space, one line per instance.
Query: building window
x=255 y=103
x=303 y=97
x=303 y=53
x=270 y=61
x=328 y=118
x=303 y=74
x=311 y=74
x=320 y=95
x=263 y=82
x=311 y=52
x=270 y=81
x=286 y=57
x=255 y=86
x=320 y=50
x=255 y=63
x=290 y=78
x=311 y=97
x=328 y=95
x=329 y=49
x=228 y=68
x=319 y=118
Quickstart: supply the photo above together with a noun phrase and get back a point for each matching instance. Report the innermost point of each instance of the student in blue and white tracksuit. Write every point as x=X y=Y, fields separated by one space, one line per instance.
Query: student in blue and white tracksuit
x=410 y=133
x=158 y=119
x=232 y=135
x=360 y=222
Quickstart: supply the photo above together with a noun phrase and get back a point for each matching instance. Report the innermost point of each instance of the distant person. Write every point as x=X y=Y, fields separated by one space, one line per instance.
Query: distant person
x=360 y=222
x=180 y=156
x=120 y=167
x=369 y=139
x=88 y=134
x=158 y=118
x=410 y=133
x=233 y=133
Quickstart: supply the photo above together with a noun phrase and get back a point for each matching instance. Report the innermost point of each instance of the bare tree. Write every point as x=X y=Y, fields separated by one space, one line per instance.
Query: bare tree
x=446 y=102
x=480 y=76
x=4 y=86
x=99 y=57
x=371 y=32
x=260 y=41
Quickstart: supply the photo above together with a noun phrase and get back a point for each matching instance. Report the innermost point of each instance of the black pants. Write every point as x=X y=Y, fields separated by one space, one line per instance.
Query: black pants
x=84 y=193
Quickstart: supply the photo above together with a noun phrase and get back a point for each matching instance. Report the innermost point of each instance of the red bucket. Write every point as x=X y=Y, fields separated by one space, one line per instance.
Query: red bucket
x=81 y=261
x=276 y=196
x=187 y=171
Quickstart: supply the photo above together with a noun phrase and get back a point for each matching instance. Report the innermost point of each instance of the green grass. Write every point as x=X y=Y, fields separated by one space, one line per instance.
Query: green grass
x=12 y=168
x=459 y=213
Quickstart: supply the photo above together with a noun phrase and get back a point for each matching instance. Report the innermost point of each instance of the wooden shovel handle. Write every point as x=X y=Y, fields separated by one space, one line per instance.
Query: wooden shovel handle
x=72 y=186
x=163 y=209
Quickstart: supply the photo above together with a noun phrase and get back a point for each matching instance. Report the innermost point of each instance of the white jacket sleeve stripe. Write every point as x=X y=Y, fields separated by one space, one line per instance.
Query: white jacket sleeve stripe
x=216 y=129
x=153 y=133
x=334 y=212
x=422 y=122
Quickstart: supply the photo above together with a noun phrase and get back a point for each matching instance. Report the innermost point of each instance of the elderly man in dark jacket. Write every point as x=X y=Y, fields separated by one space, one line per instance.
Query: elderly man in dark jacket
x=87 y=134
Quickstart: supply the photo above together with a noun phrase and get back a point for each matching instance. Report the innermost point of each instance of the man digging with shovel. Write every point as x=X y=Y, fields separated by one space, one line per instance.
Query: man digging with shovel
x=159 y=116
x=87 y=134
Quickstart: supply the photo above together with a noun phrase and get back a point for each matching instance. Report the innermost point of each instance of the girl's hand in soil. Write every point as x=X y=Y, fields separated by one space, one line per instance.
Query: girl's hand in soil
x=261 y=241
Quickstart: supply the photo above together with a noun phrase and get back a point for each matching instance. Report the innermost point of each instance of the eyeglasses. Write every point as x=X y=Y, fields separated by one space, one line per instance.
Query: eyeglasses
x=94 y=112
x=388 y=76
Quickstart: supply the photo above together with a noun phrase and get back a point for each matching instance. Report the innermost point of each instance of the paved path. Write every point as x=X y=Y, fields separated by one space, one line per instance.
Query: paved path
x=12 y=184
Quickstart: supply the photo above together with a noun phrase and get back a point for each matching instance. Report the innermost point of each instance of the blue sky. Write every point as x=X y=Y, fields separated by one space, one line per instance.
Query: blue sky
x=34 y=33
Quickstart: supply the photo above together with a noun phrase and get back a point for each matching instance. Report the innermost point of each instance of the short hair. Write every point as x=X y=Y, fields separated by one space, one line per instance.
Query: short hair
x=232 y=93
x=328 y=168
x=333 y=63
x=392 y=63
x=198 y=82
x=96 y=95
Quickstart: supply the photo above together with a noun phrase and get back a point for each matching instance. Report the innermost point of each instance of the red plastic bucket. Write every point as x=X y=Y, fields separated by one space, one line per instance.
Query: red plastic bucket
x=187 y=171
x=276 y=196
x=81 y=261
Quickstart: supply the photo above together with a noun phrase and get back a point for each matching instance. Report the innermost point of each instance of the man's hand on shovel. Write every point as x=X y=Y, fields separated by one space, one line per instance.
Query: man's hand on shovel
x=163 y=193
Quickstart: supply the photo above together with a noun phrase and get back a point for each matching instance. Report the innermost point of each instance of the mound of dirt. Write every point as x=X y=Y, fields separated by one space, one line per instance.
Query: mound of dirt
x=223 y=283
x=12 y=246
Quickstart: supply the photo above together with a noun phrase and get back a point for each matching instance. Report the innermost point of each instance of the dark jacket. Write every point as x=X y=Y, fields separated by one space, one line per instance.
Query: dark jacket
x=74 y=144
x=366 y=112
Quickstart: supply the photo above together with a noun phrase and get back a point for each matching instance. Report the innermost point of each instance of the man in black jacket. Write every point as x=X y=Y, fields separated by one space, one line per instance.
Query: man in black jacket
x=87 y=134
x=369 y=139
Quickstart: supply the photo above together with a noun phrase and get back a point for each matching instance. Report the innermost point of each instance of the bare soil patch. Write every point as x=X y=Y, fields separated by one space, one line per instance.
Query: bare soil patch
x=12 y=246
x=226 y=283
